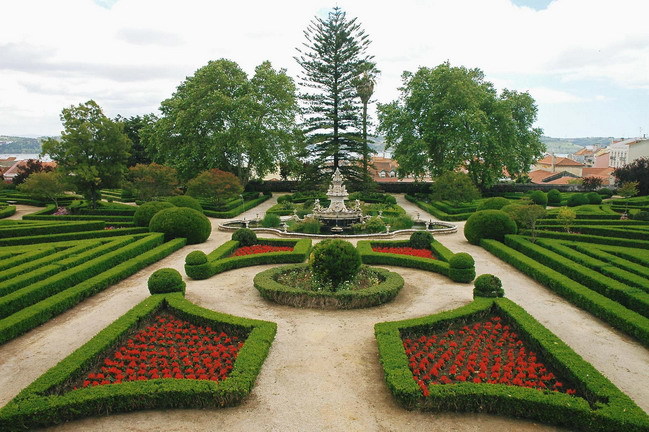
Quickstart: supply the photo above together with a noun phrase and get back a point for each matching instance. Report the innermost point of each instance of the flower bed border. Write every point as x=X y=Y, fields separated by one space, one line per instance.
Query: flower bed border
x=7 y=211
x=379 y=294
x=219 y=260
x=39 y=405
x=609 y=408
x=440 y=265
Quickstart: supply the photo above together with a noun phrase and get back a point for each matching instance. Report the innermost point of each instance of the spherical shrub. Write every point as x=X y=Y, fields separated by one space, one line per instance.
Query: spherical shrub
x=335 y=261
x=421 y=240
x=488 y=224
x=185 y=201
x=185 y=222
x=462 y=268
x=539 y=197
x=271 y=220
x=488 y=285
x=245 y=237
x=146 y=211
x=196 y=258
x=554 y=197
x=461 y=260
x=166 y=280
x=577 y=199
x=641 y=216
x=495 y=203
x=594 y=198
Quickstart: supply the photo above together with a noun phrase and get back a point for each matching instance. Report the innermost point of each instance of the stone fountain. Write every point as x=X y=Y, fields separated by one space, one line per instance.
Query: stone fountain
x=337 y=215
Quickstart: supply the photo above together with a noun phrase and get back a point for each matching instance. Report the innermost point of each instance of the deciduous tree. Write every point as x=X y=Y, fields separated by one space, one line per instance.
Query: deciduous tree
x=93 y=149
x=214 y=186
x=30 y=167
x=636 y=171
x=149 y=182
x=45 y=185
x=455 y=187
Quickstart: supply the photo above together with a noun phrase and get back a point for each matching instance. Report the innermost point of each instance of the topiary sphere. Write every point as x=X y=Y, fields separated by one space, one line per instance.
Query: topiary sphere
x=146 y=211
x=185 y=222
x=196 y=258
x=577 y=200
x=421 y=240
x=185 y=201
x=554 y=197
x=461 y=260
x=245 y=237
x=495 y=203
x=462 y=268
x=166 y=280
x=594 y=198
x=335 y=261
x=539 y=197
x=488 y=285
x=488 y=224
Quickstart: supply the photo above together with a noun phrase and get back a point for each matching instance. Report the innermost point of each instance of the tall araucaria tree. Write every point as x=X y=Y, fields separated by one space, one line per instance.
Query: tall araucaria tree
x=451 y=117
x=93 y=149
x=219 y=118
x=334 y=54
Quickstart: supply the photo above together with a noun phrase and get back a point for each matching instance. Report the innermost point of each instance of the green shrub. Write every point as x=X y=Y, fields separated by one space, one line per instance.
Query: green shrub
x=462 y=268
x=373 y=225
x=166 y=280
x=271 y=220
x=554 y=197
x=308 y=226
x=196 y=258
x=400 y=223
x=184 y=222
x=577 y=199
x=335 y=261
x=606 y=192
x=185 y=201
x=539 y=197
x=641 y=216
x=283 y=199
x=488 y=224
x=421 y=240
x=488 y=285
x=146 y=211
x=594 y=198
x=495 y=203
x=245 y=237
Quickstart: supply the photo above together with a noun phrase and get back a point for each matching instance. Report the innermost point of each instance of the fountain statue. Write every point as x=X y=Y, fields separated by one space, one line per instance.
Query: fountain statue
x=337 y=214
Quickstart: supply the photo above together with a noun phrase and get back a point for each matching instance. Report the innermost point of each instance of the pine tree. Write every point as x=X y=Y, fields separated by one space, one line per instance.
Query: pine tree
x=331 y=59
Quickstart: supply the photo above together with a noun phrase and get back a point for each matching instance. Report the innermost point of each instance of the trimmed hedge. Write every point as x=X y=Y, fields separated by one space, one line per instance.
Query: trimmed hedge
x=247 y=205
x=435 y=211
x=166 y=280
x=34 y=229
x=41 y=404
x=602 y=307
x=607 y=408
x=40 y=312
x=82 y=235
x=488 y=224
x=376 y=295
x=7 y=211
x=184 y=222
x=219 y=260
x=146 y=211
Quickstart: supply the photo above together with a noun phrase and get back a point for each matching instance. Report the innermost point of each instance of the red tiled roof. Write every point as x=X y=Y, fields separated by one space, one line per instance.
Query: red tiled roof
x=13 y=170
x=562 y=180
x=537 y=176
x=559 y=161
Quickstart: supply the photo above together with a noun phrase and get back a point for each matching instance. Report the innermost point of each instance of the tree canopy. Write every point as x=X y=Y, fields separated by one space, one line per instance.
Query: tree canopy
x=92 y=148
x=450 y=117
x=636 y=171
x=334 y=54
x=218 y=118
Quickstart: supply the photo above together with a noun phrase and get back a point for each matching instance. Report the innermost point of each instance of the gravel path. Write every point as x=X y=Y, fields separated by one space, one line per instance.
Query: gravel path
x=322 y=372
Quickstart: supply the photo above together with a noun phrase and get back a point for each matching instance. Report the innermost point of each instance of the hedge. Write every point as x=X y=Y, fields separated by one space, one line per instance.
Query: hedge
x=603 y=240
x=82 y=235
x=40 y=312
x=437 y=212
x=376 y=295
x=42 y=404
x=636 y=232
x=218 y=260
x=30 y=229
x=616 y=262
x=633 y=298
x=247 y=205
x=583 y=297
x=7 y=211
x=606 y=409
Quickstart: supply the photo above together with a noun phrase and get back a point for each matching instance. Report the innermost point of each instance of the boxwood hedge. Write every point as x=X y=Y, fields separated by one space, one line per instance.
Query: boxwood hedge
x=607 y=408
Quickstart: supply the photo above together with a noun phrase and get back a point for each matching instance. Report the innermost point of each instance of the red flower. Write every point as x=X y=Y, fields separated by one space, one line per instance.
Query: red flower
x=260 y=249
x=423 y=253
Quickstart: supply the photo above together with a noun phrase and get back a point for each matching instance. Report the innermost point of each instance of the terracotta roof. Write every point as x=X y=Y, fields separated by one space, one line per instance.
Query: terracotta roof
x=589 y=172
x=559 y=161
x=562 y=180
x=13 y=170
x=584 y=151
x=537 y=176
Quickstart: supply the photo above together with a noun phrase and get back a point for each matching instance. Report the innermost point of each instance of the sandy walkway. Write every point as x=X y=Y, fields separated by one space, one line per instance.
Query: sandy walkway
x=322 y=372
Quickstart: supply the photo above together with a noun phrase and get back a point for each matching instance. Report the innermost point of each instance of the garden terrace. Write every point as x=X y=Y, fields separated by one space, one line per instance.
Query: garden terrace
x=235 y=206
x=595 y=404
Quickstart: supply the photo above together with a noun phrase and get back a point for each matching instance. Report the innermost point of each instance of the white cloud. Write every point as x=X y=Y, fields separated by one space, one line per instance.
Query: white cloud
x=131 y=54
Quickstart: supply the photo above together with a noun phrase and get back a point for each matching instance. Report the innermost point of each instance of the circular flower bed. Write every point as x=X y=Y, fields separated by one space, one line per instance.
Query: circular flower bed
x=260 y=249
x=168 y=348
x=423 y=253
x=293 y=285
x=487 y=351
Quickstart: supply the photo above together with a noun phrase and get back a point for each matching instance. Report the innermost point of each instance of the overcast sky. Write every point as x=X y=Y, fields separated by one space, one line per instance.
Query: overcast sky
x=586 y=62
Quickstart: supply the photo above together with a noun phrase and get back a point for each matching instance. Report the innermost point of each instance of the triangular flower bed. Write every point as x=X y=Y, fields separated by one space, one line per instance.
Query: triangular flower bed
x=429 y=365
x=163 y=353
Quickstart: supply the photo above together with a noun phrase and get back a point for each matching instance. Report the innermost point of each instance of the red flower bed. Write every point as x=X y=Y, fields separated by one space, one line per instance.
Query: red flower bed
x=484 y=352
x=169 y=348
x=260 y=249
x=424 y=253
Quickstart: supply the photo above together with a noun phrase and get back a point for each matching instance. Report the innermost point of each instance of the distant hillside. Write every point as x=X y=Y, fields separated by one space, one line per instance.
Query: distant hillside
x=19 y=145
x=571 y=145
